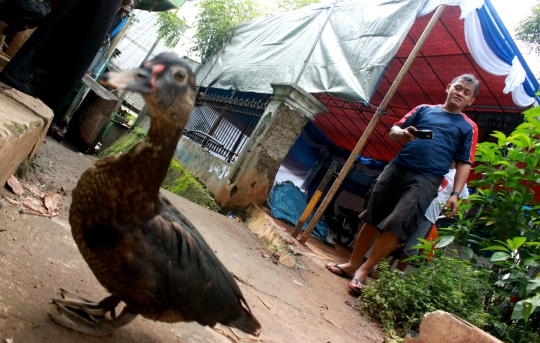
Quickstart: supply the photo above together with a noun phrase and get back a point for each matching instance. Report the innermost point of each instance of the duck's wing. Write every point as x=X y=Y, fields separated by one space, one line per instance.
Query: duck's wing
x=163 y=267
x=192 y=277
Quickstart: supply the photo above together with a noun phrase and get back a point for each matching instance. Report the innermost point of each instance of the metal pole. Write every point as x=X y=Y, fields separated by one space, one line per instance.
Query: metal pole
x=151 y=51
x=362 y=141
x=313 y=201
x=316 y=42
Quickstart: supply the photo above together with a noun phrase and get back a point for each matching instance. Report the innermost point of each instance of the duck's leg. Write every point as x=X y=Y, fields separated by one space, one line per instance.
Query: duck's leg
x=75 y=301
x=90 y=326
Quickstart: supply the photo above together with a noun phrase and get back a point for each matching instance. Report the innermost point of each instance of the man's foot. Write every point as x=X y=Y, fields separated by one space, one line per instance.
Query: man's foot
x=357 y=286
x=338 y=269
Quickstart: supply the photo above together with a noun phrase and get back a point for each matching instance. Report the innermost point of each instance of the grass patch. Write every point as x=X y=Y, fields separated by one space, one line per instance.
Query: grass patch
x=179 y=181
x=125 y=142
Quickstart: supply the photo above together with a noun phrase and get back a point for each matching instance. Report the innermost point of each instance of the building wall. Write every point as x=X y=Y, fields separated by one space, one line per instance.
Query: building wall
x=117 y=130
x=207 y=168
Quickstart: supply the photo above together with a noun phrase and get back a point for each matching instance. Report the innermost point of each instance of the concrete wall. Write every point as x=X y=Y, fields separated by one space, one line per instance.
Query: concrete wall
x=117 y=130
x=207 y=168
x=24 y=121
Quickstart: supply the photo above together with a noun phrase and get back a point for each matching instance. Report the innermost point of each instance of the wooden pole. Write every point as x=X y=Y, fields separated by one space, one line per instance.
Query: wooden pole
x=314 y=199
x=362 y=141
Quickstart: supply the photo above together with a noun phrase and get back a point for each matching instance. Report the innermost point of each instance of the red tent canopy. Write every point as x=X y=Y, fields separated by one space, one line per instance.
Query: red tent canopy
x=444 y=56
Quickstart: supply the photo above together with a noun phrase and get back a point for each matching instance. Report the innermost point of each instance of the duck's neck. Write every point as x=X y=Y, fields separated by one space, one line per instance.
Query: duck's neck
x=153 y=155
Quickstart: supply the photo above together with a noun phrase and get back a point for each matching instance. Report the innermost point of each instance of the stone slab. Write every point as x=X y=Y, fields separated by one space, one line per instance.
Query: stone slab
x=273 y=239
x=24 y=121
x=444 y=327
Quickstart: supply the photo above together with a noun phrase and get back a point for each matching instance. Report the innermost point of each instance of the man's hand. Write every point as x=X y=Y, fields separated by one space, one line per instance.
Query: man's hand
x=452 y=206
x=398 y=134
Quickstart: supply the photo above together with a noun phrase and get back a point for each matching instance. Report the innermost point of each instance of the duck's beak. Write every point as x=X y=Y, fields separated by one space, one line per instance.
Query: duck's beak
x=137 y=80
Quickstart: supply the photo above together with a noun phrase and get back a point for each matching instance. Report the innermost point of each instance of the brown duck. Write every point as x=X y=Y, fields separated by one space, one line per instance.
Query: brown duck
x=139 y=247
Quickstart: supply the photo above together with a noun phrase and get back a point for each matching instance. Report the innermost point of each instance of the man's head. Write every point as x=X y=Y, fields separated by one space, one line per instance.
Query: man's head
x=461 y=93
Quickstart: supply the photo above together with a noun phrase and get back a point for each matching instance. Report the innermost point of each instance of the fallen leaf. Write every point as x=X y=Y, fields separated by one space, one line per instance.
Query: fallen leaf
x=34 y=205
x=12 y=201
x=34 y=190
x=15 y=185
x=51 y=201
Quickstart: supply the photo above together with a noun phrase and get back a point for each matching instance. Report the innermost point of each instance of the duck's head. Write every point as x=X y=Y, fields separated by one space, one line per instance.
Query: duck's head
x=166 y=82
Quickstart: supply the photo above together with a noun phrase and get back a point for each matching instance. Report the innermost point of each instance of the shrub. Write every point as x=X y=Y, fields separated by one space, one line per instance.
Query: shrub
x=400 y=301
x=505 y=229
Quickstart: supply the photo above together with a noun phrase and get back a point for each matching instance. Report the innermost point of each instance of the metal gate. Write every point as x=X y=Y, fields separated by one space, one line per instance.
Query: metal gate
x=223 y=125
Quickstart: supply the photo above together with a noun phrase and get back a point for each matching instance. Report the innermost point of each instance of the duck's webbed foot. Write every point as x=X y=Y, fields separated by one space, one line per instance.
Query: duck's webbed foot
x=88 y=307
x=85 y=316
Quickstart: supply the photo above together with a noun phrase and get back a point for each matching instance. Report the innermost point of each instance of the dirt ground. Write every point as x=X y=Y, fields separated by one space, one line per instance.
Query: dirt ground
x=38 y=257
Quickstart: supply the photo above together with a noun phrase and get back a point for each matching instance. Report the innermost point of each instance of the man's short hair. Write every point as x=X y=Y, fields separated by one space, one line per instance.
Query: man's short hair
x=471 y=79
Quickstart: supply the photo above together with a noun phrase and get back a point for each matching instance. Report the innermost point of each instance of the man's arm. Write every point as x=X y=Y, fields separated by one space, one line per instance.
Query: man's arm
x=462 y=174
x=398 y=134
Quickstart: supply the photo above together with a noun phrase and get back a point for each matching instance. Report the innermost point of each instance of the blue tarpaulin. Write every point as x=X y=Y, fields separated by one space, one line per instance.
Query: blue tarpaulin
x=287 y=202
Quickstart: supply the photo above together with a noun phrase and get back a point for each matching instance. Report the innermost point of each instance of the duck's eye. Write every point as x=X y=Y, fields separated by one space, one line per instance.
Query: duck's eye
x=180 y=75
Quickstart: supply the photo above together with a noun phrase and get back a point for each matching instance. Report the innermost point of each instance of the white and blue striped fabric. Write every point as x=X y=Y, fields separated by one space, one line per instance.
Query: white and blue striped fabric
x=493 y=48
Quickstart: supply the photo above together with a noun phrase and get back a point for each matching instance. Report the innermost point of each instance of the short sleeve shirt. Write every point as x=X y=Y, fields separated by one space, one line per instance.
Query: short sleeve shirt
x=454 y=139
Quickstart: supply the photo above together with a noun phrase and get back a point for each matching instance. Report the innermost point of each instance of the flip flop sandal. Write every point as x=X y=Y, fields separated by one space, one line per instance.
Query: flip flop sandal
x=342 y=272
x=354 y=288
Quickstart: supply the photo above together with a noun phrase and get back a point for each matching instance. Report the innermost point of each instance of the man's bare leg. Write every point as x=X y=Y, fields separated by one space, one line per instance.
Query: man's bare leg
x=365 y=240
x=383 y=247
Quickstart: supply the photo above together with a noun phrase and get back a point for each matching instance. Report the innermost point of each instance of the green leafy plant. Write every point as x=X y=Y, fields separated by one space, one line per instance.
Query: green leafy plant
x=503 y=236
x=217 y=21
x=528 y=30
x=170 y=27
x=275 y=249
x=400 y=301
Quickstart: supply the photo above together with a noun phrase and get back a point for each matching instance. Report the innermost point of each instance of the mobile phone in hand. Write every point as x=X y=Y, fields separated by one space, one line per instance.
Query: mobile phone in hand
x=423 y=134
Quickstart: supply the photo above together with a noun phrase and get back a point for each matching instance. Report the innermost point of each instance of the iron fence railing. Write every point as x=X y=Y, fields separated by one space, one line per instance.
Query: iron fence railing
x=223 y=125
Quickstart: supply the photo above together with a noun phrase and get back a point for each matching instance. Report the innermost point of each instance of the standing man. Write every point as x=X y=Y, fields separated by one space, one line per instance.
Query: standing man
x=410 y=182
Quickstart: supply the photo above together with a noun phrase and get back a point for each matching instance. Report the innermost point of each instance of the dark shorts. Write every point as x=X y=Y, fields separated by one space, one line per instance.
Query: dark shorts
x=400 y=199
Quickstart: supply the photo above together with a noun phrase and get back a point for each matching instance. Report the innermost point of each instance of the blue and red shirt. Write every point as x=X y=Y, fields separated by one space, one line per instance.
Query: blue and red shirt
x=454 y=139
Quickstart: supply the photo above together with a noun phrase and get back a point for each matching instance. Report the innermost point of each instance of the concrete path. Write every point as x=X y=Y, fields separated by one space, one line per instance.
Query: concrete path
x=38 y=256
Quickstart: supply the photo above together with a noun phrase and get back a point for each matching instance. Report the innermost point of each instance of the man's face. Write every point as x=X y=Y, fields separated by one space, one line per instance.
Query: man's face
x=460 y=94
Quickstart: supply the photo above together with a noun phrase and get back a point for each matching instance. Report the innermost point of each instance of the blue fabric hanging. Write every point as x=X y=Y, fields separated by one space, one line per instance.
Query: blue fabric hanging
x=501 y=43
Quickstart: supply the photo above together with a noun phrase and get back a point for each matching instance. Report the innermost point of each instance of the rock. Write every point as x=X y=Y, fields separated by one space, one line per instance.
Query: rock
x=444 y=327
